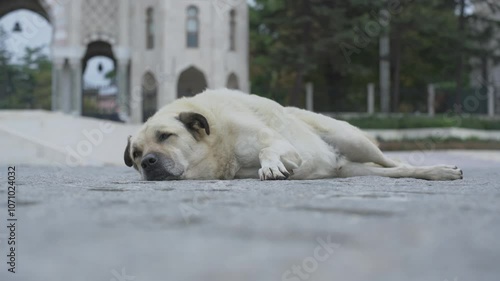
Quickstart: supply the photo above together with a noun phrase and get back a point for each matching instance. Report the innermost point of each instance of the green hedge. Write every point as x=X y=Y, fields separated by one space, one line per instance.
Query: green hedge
x=410 y=121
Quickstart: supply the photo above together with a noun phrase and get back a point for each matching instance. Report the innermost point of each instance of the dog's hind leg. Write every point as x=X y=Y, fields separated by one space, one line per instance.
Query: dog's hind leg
x=355 y=146
x=347 y=139
x=360 y=149
x=441 y=172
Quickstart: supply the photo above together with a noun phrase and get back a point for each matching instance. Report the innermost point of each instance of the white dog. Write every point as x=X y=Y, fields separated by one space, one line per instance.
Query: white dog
x=226 y=134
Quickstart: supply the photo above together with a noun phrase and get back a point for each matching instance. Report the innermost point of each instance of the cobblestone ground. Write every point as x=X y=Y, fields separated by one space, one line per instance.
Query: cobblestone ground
x=104 y=224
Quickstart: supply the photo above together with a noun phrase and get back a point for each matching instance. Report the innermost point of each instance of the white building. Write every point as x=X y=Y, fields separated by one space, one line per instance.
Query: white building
x=162 y=49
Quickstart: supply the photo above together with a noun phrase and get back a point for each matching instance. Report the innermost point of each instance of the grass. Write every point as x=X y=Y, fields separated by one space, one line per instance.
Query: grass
x=412 y=121
x=433 y=144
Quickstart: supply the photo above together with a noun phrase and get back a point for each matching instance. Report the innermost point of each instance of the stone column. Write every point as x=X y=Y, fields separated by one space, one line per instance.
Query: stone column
x=65 y=89
x=122 y=78
x=491 y=101
x=371 y=98
x=167 y=82
x=57 y=70
x=135 y=101
x=76 y=86
x=431 y=99
x=310 y=96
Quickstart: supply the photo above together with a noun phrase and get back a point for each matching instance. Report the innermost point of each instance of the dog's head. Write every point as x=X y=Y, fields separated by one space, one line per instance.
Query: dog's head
x=167 y=144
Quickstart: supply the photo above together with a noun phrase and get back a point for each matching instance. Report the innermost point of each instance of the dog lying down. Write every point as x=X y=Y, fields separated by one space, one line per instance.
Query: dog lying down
x=227 y=134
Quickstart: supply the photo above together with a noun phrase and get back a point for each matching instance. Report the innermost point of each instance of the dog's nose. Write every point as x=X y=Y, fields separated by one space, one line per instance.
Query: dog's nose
x=149 y=162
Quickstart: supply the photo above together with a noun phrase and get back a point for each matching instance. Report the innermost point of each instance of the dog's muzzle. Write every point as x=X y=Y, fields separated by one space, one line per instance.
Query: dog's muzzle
x=157 y=167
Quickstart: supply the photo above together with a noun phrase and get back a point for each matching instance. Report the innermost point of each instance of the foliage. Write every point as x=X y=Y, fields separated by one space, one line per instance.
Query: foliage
x=334 y=44
x=26 y=85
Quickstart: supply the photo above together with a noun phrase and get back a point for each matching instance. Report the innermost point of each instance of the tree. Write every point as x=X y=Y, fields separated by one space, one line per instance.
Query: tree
x=334 y=44
x=6 y=71
x=460 y=47
x=423 y=47
x=27 y=84
x=295 y=41
x=484 y=42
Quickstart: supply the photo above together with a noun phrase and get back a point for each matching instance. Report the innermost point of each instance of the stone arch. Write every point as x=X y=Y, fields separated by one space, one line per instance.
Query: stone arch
x=149 y=95
x=91 y=98
x=191 y=81
x=98 y=48
x=99 y=37
x=233 y=82
x=40 y=7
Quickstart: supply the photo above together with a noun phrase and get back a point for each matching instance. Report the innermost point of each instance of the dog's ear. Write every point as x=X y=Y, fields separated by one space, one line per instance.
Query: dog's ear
x=126 y=155
x=194 y=121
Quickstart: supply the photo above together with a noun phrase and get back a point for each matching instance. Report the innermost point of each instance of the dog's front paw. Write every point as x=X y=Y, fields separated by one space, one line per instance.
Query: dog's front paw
x=277 y=172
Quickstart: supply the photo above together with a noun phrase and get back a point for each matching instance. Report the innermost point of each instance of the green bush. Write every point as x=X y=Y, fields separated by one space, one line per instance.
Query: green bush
x=410 y=121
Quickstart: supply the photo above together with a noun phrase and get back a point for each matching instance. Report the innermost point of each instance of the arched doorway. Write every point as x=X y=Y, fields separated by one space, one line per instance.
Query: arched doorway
x=191 y=82
x=26 y=69
x=99 y=89
x=149 y=96
x=232 y=82
x=39 y=7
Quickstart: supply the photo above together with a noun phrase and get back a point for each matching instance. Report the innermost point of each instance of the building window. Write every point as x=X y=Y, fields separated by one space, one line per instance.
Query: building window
x=232 y=30
x=150 y=29
x=232 y=82
x=192 y=27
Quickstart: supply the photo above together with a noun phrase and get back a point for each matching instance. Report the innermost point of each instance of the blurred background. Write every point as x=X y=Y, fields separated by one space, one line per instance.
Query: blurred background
x=386 y=64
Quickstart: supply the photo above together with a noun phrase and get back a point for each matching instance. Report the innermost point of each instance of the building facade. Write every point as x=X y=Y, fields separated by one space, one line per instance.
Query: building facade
x=162 y=49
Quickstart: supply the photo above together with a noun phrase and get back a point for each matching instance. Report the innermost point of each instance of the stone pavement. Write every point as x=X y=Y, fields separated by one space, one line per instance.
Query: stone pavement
x=103 y=224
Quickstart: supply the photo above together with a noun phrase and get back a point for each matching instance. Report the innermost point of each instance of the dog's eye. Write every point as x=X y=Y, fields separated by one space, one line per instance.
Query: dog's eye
x=163 y=136
x=136 y=154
